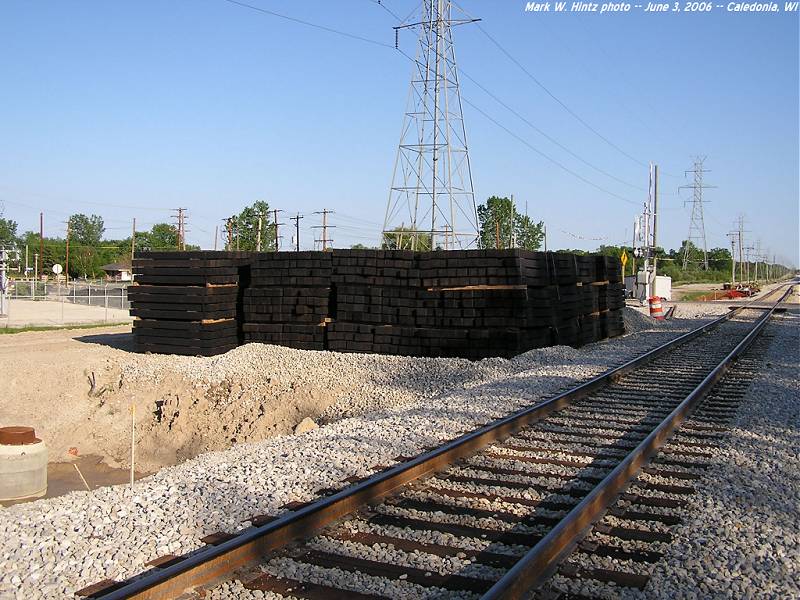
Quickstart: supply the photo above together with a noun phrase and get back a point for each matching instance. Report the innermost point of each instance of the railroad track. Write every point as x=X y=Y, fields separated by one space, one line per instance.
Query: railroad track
x=575 y=493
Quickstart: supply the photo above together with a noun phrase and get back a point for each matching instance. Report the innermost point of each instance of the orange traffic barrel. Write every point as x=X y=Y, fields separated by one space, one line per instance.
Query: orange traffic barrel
x=656 y=309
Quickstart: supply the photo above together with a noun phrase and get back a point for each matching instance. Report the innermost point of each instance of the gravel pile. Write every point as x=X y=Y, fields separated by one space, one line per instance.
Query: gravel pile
x=742 y=536
x=50 y=548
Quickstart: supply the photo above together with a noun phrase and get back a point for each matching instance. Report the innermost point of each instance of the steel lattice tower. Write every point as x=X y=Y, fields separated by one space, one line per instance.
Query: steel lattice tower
x=697 y=227
x=432 y=194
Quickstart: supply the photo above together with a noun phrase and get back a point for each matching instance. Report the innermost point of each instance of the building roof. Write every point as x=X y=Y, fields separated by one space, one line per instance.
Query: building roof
x=116 y=267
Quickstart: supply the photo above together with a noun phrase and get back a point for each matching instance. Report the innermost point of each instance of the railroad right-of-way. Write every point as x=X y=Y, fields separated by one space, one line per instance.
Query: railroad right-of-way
x=509 y=502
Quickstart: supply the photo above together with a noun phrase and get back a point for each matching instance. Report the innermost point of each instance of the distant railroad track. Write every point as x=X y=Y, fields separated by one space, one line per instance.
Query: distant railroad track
x=498 y=511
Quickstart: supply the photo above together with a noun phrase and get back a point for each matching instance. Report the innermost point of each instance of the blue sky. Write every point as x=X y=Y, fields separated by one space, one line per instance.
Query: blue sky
x=129 y=109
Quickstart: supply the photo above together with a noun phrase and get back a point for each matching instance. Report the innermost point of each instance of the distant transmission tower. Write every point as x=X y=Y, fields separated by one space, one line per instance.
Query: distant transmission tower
x=697 y=228
x=432 y=194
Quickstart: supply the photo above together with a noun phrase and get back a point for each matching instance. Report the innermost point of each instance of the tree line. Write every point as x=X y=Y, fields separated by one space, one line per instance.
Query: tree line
x=500 y=226
x=89 y=250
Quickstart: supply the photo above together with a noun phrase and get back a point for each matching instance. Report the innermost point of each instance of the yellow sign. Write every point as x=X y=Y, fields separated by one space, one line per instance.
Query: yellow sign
x=624 y=258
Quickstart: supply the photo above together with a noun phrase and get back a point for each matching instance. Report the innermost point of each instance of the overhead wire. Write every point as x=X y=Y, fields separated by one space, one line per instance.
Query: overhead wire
x=375 y=42
x=551 y=94
x=310 y=24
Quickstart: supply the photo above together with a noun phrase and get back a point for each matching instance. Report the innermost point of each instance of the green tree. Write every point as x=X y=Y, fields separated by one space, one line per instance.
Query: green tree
x=244 y=229
x=498 y=217
x=719 y=259
x=8 y=231
x=405 y=238
x=85 y=232
x=161 y=237
x=695 y=255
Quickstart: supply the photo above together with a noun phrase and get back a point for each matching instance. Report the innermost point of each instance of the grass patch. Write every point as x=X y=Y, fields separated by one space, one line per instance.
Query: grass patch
x=10 y=330
x=692 y=296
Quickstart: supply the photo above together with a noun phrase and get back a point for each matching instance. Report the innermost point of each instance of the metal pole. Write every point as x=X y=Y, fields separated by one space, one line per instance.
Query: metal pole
x=655 y=221
x=258 y=235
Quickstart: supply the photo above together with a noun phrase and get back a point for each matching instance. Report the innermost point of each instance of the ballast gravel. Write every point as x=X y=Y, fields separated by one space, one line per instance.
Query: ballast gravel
x=51 y=548
x=741 y=537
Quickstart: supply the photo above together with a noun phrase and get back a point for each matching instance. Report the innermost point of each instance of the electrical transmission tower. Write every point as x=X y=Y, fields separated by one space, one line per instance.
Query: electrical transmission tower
x=432 y=179
x=697 y=227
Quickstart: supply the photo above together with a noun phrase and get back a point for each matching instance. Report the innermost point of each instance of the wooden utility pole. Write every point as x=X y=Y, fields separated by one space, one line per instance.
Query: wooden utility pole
x=296 y=220
x=41 y=243
x=66 y=266
x=181 y=216
x=229 y=229
x=133 y=240
x=325 y=240
x=496 y=233
x=277 y=237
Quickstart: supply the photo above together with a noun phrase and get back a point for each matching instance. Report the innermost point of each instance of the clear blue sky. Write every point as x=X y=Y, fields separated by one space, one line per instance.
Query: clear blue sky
x=128 y=109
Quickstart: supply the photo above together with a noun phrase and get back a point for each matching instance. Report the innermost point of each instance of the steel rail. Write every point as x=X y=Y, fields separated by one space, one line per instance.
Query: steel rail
x=213 y=562
x=541 y=561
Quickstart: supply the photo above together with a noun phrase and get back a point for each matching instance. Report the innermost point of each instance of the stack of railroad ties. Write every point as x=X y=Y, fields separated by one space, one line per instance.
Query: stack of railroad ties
x=186 y=302
x=471 y=303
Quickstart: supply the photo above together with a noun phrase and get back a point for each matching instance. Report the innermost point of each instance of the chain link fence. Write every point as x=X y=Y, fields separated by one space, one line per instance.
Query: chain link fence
x=101 y=294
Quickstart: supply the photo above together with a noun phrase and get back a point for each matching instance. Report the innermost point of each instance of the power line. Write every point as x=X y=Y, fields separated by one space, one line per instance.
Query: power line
x=387 y=9
x=550 y=138
x=552 y=160
x=537 y=129
x=377 y=43
x=558 y=100
x=308 y=23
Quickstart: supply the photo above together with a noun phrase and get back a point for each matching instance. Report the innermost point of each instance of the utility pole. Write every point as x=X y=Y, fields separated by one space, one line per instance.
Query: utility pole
x=758 y=257
x=66 y=266
x=258 y=234
x=748 y=250
x=3 y=284
x=181 y=217
x=513 y=229
x=325 y=240
x=734 y=237
x=645 y=231
x=216 y=234
x=740 y=238
x=655 y=221
x=496 y=233
x=133 y=239
x=697 y=228
x=41 y=242
x=296 y=220
x=277 y=237
x=229 y=229
x=432 y=177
